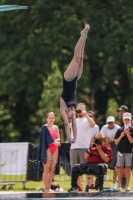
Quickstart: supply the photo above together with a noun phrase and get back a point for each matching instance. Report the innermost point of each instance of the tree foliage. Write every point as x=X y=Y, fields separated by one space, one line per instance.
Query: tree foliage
x=36 y=47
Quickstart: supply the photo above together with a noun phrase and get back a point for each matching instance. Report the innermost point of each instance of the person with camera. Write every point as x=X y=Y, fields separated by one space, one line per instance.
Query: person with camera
x=124 y=140
x=96 y=159
x=84 y=123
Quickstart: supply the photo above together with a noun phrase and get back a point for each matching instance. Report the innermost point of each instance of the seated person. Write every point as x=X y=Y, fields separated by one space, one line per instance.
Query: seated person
x=97 y=157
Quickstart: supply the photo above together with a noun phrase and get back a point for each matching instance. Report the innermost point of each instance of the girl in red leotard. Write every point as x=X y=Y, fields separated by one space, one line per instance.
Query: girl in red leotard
x=52 y=152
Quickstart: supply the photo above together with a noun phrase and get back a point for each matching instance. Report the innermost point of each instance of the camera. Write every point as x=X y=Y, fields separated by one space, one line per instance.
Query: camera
x=97 y=141
x=78 y=111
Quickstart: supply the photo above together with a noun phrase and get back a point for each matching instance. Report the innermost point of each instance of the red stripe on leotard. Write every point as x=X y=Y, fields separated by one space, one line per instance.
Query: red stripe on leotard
x=53 y=147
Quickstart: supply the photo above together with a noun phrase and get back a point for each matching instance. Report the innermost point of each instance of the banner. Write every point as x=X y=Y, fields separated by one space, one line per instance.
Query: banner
x=13 y=158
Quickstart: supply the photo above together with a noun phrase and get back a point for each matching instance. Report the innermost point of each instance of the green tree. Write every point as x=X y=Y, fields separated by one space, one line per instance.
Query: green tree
x=51 y=95
x=33 y=40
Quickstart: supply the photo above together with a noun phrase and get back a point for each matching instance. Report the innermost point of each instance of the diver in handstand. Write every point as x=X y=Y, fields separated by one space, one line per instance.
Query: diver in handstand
x=70 y=78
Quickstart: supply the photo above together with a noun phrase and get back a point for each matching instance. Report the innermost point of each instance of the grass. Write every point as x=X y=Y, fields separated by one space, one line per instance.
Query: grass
x=63 y=180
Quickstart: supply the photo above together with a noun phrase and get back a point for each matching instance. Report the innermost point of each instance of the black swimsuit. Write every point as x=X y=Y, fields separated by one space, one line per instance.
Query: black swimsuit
x=69 y=92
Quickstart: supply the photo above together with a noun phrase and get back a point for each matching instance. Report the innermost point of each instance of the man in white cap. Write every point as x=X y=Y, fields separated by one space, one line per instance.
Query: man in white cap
x=109 y=130
x=124 y=140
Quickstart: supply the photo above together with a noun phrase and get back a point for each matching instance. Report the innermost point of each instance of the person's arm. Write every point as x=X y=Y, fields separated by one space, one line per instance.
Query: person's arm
x=92 y=142
x=74 y=126
x=90 y=120
x=63 y=113
x=126 y=131
x=104 y=156
x=66 y=123
x=118 y=138
x=58 y=134
x=87 y=153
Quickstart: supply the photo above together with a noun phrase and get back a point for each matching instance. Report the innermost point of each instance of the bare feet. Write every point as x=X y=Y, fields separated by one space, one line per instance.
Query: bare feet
x=85 y=30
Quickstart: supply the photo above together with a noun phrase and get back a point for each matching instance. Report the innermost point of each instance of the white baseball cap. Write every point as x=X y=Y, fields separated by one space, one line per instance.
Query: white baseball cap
x=110 y=119
x=127 y=115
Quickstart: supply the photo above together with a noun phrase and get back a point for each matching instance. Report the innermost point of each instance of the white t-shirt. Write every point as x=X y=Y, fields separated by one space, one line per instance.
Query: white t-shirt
x=93 y=132
x=110 y=133
x=83 y=134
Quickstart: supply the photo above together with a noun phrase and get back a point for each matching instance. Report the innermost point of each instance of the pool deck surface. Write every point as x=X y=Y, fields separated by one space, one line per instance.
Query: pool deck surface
x=7 y=195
